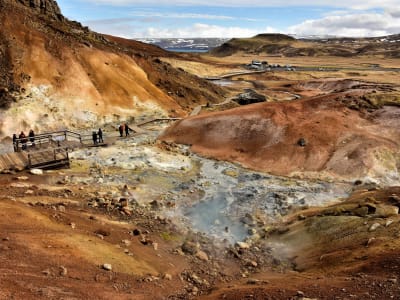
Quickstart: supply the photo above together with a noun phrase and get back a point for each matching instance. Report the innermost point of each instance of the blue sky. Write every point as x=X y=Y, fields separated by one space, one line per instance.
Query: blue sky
x=234 y=18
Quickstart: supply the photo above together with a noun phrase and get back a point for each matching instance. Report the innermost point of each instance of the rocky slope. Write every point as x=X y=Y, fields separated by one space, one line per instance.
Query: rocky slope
x=56 y=73
x=340 y=133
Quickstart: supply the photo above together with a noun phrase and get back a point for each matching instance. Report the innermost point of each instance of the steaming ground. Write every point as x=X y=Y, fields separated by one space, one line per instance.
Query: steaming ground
x=213 y=197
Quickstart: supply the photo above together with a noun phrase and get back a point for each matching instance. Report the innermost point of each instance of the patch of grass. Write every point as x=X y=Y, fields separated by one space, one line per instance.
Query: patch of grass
x=169 y=237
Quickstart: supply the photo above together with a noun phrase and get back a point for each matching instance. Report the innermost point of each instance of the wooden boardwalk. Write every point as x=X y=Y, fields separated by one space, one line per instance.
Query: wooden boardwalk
x=49 y=158
x=50 y=150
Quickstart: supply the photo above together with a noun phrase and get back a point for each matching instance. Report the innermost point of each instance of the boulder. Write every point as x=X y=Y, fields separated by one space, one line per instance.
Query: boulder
x=189 y=248
x=249 y=97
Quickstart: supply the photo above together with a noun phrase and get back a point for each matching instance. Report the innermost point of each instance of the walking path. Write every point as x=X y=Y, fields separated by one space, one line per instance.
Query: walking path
x=50 y=149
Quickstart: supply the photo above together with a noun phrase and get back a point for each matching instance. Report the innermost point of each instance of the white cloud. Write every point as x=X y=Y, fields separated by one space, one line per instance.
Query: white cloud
x=195 y=31
x=360 y=25
x=393 y=12
x=204 y=30
x=188 y=16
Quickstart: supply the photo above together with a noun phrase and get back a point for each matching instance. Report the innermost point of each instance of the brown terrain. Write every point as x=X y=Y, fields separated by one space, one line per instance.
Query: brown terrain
x=42 y=52
x=321 y=149
x=347 y=129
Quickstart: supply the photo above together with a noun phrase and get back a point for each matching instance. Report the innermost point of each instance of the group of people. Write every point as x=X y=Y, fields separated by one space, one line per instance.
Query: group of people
x=97 y=137
x=124 y=128
x=23 y=140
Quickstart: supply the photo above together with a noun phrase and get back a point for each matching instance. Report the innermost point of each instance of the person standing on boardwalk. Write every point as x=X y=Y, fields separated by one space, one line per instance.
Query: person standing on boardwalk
x=121 y=130
x=94 y=137
x=15 y=142
x=100 y=135
x=126 y=129
x=32 y=137
x=23 y=139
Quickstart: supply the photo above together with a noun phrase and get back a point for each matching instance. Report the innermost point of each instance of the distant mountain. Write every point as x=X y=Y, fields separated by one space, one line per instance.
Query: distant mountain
x=186 y=45
x=285 y=45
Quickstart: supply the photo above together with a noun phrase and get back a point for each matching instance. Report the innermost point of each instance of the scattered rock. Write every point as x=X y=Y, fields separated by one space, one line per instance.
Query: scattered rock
x=370 y=241
x=61 y=208
x=36 y=171
x=300 y=294
x=189 y=248
x=73 y=225
x=136 y=232
x=243 y=245
x=392 y=280
x=167 y=276
x=253 y=264
x=202 y=255
x=301 y=217
x=302 y=142
x=253 y=281
x=102 y=232
x=63 y=271
x=388 y=223
x=155 y=246
x=126 y=242
x=22 y=178
x=374 y=227
x=107 y=267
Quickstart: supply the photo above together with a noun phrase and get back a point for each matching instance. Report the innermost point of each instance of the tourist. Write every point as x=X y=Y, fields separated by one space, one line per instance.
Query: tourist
x=126 y=129
x=94 y=137
x=121 y=130
x=23 y=139
x=15 y=142
x=32 y=137
x=100 y=135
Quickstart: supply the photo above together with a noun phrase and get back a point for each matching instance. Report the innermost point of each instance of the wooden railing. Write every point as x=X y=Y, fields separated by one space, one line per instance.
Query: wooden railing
x=56 y=138
x=50 y=139
x=157 y=120
x=48 y=158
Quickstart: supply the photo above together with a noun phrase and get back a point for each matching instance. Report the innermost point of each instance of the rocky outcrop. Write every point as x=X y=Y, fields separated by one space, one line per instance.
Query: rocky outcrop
x=47 y=7
x=249 y=97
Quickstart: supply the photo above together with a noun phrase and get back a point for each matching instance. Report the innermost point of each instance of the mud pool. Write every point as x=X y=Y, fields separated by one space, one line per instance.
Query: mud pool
x=219 y=199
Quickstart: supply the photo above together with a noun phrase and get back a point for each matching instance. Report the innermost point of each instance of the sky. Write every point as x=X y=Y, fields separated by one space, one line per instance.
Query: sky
x=140 y=19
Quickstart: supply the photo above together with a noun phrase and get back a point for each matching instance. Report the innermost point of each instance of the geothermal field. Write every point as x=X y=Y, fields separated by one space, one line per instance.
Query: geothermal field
x=267 y=168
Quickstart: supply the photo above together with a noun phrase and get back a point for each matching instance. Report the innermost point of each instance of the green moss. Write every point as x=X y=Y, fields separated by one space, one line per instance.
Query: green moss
x=169 y=237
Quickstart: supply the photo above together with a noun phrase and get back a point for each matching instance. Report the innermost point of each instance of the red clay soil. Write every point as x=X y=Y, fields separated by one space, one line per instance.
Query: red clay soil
x=341 y=141
x=53 y=246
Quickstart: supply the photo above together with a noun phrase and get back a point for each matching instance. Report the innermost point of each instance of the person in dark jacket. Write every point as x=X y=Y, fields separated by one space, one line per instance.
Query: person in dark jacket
x=32 y=137
x=23 y=139
x=94 y=137
x=15 y=142
x=121 y=130
x=126 y=129
x=100 y=135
